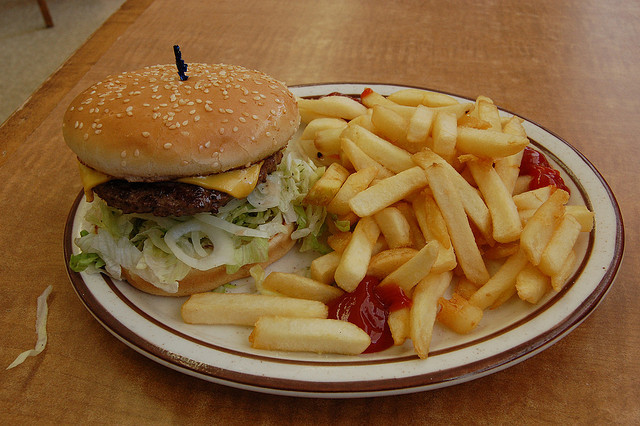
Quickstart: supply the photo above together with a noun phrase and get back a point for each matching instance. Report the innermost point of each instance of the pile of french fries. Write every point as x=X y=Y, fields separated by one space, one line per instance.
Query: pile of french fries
x=431 y=189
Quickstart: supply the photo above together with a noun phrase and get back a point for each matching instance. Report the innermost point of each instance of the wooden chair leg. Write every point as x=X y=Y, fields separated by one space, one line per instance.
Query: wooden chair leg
x=45 y=13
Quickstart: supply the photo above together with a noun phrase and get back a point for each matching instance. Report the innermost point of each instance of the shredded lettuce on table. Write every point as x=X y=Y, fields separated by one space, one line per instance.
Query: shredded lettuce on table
x=162 y=250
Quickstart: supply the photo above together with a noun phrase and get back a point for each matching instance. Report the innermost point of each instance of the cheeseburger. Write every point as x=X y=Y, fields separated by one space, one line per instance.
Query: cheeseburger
x=189 y=182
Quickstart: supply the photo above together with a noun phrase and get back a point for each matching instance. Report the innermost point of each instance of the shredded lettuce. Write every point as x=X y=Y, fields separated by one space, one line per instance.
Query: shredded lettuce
x=162 y=250
x=42 y=311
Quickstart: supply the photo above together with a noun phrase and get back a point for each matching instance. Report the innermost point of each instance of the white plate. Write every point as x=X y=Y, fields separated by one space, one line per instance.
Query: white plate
x=516 y=331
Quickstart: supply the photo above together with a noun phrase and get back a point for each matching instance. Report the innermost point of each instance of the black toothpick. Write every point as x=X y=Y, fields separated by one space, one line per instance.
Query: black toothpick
x=182 y=67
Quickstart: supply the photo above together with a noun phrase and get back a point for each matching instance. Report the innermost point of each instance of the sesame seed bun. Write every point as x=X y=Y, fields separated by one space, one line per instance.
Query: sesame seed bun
x=148 y=125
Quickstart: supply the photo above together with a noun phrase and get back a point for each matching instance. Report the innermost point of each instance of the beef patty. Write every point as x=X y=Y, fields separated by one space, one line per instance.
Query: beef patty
x=171 y=198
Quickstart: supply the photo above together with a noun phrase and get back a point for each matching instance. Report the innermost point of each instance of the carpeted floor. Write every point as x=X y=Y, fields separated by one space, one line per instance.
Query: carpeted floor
x=31 y=52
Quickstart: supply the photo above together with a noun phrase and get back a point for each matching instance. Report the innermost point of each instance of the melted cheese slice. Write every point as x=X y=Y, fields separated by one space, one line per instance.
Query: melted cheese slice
x=90 y=179
x=238 y=183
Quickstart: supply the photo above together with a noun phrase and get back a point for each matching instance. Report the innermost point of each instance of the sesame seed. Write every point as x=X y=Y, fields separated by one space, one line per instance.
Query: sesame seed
x=185 y=122
x=193 y=111
x=255 y=117
x=129 y=108
x=98 y=131
x=80 y=125
x=85 y=136
x=235 y=128
x=207 y=144
x=221 y=130
x=242 y=120
x=136 y=153
x=229 y=110
x=168 y=145
x=126 y=101
x=123 y=154
x=75 y=126
x=208 y=108
x=196 y=118
x=146 y=134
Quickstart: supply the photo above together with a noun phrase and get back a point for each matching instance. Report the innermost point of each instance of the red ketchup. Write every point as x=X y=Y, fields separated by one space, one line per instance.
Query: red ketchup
x=536 y=165
x=368 y=307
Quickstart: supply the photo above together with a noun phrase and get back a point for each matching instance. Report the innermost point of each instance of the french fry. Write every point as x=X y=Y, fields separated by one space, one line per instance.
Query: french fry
x=388 y=191
x=500 y=251
x=462 y=238
x=309 y=335
x=582 y=215
x=325 y=188
x=417 y=237
x=399 y=325
x=354 y=184
x=361 y=160
x=364 y=120
x=504 y=214
x=392 y=126
x=532 y=284
x=394 y=227
x=293 y=285
x=420 y=125
x=245 y=309
x=522 y=184
x=332 y=106
x=371 y=98
x=508 y=168
x=474 y=122
x=384 y=152
x=445 y=132
x=434 y=228
x=339 y=241
x=458 y=314
x=559 y=280
x=327 y=141
x=387 y=261
x=539 y=228
x=488 y=112
x=356 y=256
x=473 y=203
x=323 y=267
x=424 y=310
x=459 y=110
x=415 y=97
x=465 y=288
x=534 y=198
x=320 y=124
x=412 y=271
x=560 y=246
x=502 y=281
x=489 y=143
x=504 y=297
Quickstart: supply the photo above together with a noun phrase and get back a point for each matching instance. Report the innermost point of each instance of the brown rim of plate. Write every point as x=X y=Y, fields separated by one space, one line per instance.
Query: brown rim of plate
x=422 y=381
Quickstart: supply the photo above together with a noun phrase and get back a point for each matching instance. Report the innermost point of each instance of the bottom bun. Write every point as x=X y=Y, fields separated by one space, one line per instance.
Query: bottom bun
x=201 y=281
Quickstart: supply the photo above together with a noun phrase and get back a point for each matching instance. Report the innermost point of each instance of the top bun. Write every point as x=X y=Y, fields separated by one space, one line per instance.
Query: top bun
x=148 y=125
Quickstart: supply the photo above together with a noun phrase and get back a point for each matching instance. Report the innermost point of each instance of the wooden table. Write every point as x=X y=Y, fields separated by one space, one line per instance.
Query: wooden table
x=570 y=66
